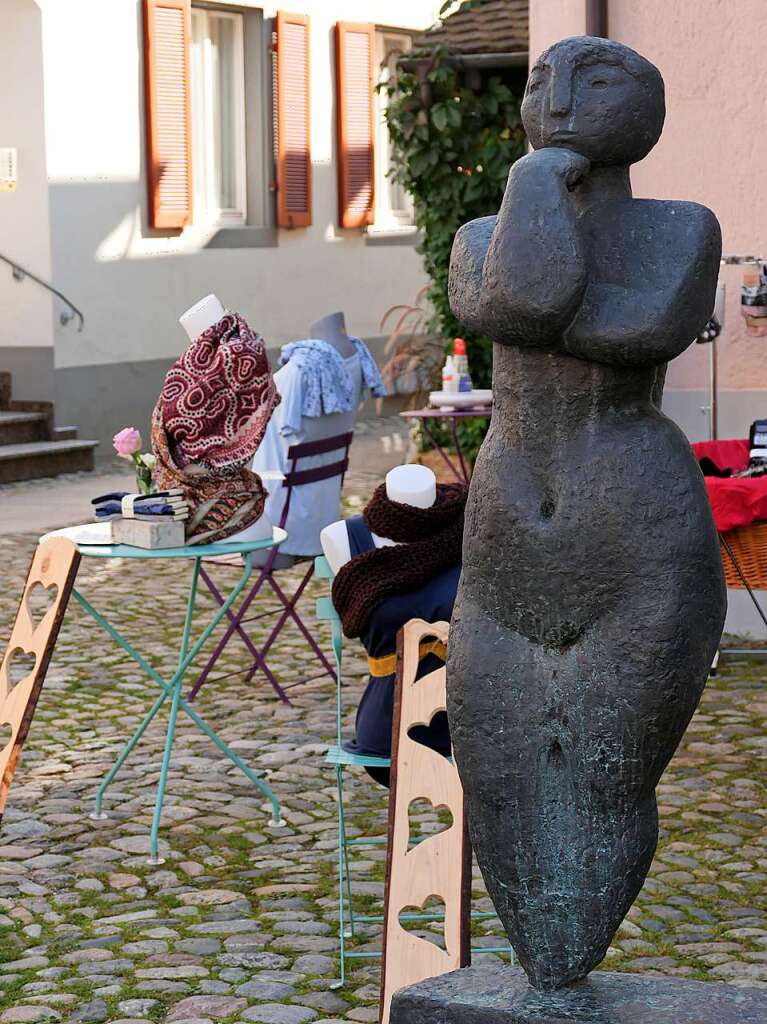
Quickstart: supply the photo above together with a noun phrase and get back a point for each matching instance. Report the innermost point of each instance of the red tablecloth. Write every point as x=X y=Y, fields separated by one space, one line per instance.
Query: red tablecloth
x=733 y=502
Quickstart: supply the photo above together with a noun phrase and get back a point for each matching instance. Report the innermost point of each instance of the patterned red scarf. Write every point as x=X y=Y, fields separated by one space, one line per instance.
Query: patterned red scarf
x=210 y=418
x=221 y=501
x=218 y=397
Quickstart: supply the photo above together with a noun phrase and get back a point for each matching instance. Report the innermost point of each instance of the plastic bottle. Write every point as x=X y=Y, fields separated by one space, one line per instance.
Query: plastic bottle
x=449 y=376
x=461 y=364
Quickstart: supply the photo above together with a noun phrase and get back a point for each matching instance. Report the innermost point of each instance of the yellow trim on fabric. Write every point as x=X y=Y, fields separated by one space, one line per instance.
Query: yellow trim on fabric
x=387 y=665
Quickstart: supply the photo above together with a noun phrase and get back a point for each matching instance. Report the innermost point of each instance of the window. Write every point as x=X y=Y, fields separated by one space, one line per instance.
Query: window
x=218 y=117
x=393 y=207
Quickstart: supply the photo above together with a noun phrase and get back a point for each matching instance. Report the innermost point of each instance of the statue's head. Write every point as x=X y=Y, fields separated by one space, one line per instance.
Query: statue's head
x=597 y=97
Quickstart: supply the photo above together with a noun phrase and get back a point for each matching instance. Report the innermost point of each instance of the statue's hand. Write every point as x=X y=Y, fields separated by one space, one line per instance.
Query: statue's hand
x=534 y=275
x=565 y=164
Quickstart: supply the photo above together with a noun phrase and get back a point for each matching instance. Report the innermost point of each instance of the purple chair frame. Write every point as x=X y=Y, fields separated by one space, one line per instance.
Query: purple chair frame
x=295 y=477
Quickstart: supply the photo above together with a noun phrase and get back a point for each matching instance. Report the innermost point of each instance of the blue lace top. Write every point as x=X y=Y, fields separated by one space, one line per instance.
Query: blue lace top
x=328 y=386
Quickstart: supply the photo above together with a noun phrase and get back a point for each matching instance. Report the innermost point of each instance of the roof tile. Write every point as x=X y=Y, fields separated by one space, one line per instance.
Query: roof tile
x=496 y=26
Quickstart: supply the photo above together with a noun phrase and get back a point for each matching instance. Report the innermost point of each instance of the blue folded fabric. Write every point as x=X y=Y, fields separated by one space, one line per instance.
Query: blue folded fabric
x=159 y=508
x=119 y=495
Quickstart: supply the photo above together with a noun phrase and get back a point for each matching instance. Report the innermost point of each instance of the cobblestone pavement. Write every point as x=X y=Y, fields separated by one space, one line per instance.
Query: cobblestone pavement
x=239 y=923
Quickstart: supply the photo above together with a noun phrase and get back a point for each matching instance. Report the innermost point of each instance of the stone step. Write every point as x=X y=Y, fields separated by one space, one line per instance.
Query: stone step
x=22 y=427
x=44 y=458
x=65 y=433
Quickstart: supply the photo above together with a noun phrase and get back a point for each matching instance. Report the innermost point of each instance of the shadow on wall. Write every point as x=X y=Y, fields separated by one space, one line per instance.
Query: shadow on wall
x=132 y=288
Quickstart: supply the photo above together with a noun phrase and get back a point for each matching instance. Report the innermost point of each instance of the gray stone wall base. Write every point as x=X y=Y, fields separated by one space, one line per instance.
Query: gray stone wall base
x=100 y=400
x=736 y=411
x=31 y=367
x=742 y=617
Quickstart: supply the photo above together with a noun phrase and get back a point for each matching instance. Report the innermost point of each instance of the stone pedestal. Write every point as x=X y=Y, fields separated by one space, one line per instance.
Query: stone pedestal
x=497 y=994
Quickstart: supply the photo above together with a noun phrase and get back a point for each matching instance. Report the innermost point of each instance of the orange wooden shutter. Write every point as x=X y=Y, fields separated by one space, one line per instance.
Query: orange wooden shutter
x=355 y=49
x=294 y=158
x=167 y=30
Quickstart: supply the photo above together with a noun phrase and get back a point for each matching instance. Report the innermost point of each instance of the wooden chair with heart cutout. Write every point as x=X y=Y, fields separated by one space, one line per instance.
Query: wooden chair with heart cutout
x=52 y=572
x=440 y=864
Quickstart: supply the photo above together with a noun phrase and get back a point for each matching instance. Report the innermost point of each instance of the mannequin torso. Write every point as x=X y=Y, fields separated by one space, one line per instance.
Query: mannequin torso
x=332 y=328
x=408 y=485
x=314 y=505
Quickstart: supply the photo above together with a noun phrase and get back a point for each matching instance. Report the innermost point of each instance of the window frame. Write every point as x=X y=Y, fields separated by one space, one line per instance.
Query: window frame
x=207 y=211
x=386 y=217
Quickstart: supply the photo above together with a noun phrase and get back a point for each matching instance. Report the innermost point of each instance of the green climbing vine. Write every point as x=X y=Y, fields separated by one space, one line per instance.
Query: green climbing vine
x=452 y=149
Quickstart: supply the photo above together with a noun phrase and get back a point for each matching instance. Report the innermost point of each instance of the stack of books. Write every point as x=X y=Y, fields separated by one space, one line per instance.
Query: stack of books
x=160 y=507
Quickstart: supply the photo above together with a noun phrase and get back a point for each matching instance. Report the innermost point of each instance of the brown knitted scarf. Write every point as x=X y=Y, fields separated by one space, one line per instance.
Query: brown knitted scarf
x=429 y=541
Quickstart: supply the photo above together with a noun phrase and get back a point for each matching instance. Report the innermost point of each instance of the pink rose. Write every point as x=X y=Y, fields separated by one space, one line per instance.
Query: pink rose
x=127 y=442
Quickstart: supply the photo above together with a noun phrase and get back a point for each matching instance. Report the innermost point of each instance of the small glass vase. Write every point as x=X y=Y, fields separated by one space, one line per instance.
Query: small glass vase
x=143 y=478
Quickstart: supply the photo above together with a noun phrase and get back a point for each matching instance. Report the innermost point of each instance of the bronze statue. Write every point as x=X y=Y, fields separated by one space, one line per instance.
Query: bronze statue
x=592 y=598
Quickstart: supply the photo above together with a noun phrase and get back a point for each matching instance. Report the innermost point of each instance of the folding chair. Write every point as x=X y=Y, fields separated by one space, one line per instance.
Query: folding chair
x=294 y=478
x=342 y=759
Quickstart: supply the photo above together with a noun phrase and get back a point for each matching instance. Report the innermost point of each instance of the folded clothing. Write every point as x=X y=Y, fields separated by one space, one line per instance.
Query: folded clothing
x=172 y=494
x=167 y=505
x=114 y=510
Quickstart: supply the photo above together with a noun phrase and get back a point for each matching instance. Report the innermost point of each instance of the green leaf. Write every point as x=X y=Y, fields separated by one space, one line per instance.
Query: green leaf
x=439 y=117
x=454 y=115
x=419 y=163
x=431 y=148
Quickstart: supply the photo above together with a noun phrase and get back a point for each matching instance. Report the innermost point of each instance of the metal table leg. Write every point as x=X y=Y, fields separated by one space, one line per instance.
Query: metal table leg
x=459 y=451
x=172 y=689
x=445 y=457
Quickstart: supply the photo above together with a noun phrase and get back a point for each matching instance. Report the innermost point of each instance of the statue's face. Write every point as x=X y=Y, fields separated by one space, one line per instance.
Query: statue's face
x=596 y=107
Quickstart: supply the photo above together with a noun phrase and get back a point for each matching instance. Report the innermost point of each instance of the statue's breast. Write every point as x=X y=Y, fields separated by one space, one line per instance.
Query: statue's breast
x=641 y=241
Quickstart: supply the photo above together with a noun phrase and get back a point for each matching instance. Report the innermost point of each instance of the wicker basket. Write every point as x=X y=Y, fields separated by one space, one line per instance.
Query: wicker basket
x=749 y=545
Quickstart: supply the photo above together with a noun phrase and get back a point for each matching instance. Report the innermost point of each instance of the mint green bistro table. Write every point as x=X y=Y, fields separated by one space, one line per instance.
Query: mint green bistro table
x=172 y=687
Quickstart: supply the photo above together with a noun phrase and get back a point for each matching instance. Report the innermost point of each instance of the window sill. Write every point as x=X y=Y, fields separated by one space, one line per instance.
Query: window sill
x=393 y=236
x=245 y=237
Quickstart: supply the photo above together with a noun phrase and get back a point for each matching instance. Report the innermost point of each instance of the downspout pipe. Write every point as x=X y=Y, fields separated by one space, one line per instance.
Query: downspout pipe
x=596 y=18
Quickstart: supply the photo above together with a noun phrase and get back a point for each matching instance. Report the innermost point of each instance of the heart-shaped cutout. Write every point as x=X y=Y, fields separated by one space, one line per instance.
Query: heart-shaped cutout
x=425 y=820
x=19 y=665
x=427 y=921
x=437 y=723
x=39 y=599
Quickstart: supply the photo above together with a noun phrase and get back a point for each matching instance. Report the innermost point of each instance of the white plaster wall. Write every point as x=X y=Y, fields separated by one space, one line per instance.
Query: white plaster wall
x=132 y=287
x=26 y=312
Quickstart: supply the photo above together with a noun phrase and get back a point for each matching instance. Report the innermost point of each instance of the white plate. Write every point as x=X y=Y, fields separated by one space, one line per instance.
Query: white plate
x=461 y=399
x=87 y=533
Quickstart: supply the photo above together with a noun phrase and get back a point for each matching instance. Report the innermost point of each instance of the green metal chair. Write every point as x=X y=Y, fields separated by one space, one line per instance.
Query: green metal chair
x=342 y=759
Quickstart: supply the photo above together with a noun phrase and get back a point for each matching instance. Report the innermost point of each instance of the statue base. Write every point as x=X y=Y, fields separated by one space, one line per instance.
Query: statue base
x=497 y=994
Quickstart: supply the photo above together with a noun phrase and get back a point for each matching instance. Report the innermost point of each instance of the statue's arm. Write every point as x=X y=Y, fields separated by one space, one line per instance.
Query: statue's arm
x=645 y=323
x=520 y=277
x=467 y=261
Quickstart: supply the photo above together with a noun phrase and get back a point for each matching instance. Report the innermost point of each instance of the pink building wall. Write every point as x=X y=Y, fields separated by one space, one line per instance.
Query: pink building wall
x=713 y=57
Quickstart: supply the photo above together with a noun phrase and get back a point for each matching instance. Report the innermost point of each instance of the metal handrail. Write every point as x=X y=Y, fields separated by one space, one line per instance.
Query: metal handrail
x=19 y=273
